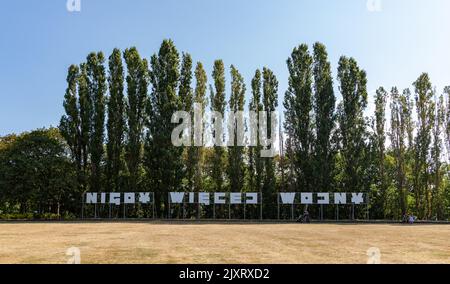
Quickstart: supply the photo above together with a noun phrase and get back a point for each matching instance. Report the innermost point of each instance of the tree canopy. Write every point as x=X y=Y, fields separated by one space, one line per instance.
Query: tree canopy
x=115 y=136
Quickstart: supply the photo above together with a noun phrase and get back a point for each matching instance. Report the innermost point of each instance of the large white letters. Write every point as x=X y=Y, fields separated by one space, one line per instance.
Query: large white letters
x=357 y=198
x=130 y=198
x=91 y=197
x=253 y=198
x=287 y=197
x=114 y=198
x=340 y=198
x=203 y=198
x=176 y=197
x=219 y=198
x=321 y=198
x=144 y=197
x=306 y=198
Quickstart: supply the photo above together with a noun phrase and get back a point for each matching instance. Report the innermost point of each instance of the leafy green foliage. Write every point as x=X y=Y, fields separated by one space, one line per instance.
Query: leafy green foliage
x=44 y=173
x=163 y=161
x=352 y=125
x=236 y=166
x=116 y=121
x=218 y=103
x=298 y=103
x=36 y=173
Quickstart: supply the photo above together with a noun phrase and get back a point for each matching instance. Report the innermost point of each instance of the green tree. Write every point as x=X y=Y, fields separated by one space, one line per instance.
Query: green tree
x=36 y=174
x=425 y=120
x=196 y=154
x=137 y=87
x=408 y=106
x=85 y=110
x=410 y=124
x=447 y=121
x=187 y=100
x=236 y=169
x=255 y=162
x=379 y=142
x=75 y=125
x=97 y=88
x=298 y=106
x=162 y=160
x=437 y=204
x=398 y=137
x=70 y=122
x=218 y=104
x=324 y=107
x=116 y=121
x=270 y=103
x=352 y=126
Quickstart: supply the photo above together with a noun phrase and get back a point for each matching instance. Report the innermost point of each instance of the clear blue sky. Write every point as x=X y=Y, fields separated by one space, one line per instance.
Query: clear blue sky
x=40 y=39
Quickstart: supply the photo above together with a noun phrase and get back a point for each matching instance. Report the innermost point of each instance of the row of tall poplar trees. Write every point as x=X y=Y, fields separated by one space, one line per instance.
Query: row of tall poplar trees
x=328 y=146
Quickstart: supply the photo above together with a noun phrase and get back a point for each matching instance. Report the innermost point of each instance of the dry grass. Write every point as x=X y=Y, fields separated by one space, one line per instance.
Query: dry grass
x=222 y=243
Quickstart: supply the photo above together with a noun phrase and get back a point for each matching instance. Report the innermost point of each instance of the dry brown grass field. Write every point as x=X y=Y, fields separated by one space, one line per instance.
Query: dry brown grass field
x=222 y=243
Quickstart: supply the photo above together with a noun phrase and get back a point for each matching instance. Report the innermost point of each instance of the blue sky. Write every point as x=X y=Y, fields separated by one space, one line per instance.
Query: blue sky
x=40 y=39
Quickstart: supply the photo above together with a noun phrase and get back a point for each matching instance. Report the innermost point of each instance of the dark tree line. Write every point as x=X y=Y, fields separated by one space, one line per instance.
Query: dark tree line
x=115 y=135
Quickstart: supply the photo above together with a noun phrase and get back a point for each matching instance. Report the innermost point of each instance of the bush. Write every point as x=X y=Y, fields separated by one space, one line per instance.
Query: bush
x=17 y=216
x=68 y=216
x=47 y=216
x=35 y=216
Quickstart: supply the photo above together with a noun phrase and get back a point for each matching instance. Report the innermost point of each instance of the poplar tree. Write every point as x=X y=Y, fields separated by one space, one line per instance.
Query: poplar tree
x=352 y=127
x=185 y=90
x=298 y=106
x=408 y=109
x=137 y=87
x=218 y=104
x=398 y=138
x=324 y=106
x=236 y=169
x=187 y=100
x=163 y=161
x=270 y=102
x=116 y=120
x=408 y=102
x=70 y=122
x=425 y=120
x=256 y=165
x=96 y=82
x=447 y=121
x=86 y=109
x=76 y=124
x=196 y=154
x=437 y=205
x=380 y=141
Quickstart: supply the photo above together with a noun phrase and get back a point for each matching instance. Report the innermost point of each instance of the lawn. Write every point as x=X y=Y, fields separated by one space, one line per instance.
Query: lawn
x=222 y=243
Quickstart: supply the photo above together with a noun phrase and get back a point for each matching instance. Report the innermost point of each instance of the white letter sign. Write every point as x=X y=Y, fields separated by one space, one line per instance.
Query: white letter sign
x=235 y=198
x=114 y=198
x=219 y=198
x=287 y=197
